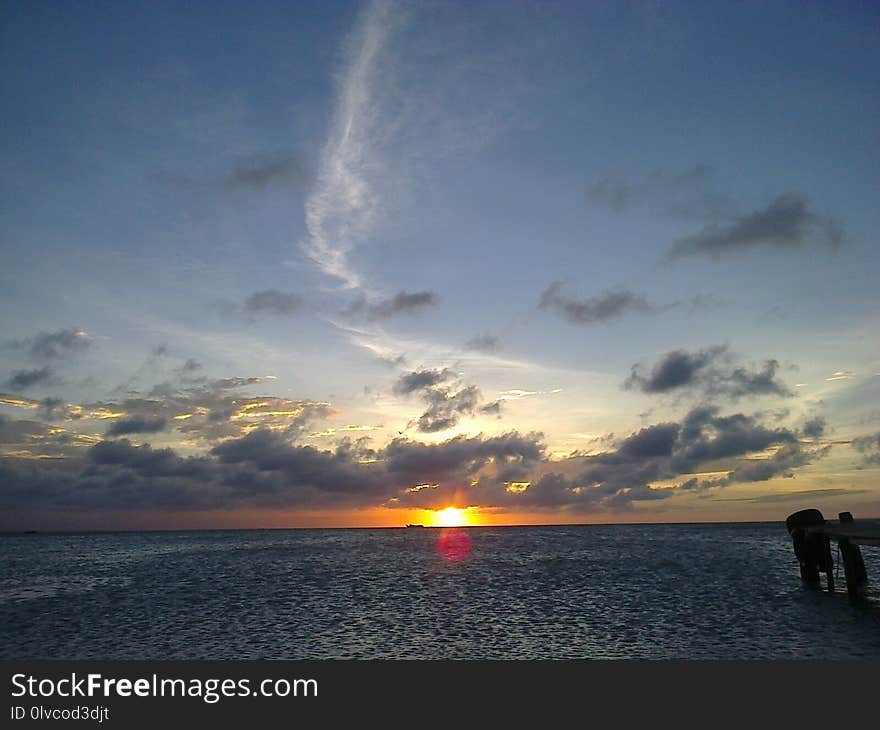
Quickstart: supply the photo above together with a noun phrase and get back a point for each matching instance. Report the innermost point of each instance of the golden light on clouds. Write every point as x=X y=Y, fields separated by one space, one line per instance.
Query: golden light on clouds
x=333 y=431
x=841 y=375
x=105 y=414
x=419 y=487
x=10 y=400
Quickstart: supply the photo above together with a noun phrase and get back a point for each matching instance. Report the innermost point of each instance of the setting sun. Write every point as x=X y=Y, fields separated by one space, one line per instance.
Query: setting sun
x=450 y=517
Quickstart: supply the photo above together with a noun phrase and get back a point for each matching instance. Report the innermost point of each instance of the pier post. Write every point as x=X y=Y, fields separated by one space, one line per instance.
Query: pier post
x=809 y=549
x=853 y=564
x=828 y=563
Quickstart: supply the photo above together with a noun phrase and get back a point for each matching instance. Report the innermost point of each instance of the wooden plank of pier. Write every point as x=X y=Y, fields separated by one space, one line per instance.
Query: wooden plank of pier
x=857 y=532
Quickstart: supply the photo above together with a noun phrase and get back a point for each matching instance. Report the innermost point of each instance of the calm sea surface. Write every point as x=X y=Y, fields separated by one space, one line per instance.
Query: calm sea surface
x=662 y=591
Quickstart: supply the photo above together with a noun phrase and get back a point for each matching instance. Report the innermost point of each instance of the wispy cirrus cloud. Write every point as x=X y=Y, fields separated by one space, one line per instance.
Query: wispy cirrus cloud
x=344 y=204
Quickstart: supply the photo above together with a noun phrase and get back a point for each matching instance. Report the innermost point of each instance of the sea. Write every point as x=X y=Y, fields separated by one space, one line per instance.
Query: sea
x=708 y=591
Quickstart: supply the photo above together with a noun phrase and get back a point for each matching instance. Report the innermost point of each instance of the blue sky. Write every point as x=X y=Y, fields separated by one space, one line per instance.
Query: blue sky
x=474 y=248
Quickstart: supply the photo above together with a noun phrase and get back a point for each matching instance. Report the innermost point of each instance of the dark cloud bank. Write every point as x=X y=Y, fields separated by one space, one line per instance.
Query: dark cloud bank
x=269 y=468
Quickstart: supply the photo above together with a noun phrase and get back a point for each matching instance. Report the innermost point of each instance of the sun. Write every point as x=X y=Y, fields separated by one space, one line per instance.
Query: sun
x=450 y=517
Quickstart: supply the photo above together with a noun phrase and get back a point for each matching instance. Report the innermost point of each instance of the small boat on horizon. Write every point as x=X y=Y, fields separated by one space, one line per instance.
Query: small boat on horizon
x=408 y=526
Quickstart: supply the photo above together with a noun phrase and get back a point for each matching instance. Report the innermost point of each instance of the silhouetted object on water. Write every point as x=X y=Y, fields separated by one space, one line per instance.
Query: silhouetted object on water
x=810 y=548
x=812 y=536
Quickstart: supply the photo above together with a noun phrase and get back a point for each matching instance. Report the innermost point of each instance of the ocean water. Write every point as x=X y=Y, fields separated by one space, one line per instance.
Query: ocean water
x=658 y=591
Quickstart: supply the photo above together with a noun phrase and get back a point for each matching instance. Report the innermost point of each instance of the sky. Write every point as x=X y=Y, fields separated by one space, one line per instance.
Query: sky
x=351 y=264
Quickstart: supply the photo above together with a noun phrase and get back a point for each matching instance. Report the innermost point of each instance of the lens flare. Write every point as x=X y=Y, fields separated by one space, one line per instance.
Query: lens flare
x=453 y=545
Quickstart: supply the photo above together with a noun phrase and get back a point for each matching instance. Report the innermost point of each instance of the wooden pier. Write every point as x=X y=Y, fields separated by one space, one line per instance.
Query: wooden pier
x=812 y=536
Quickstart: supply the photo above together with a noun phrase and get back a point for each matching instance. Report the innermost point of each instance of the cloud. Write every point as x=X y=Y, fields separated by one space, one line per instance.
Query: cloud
x=23 y=379
x=260 y=171
x=841 y=375
x=52 y=408
x=814 y=428
x=741 y=382
x=685 y=193
x=493 y=408
x=446 y=398
x=190 y=366
x=270 y=302
x=711 y=371
x=34 y=439
x=393 y=361
x=20 y=431
x=869 y=447
x=675 y=369
x=672 y=451
x=342 y=207
x=18 y=401
x=787 y=222
x=202 y=411
x=265 y=468
x=800 y=495
x=782 y=463
x=482 y=343
x=239 y=382
x=401 y=303
x=49 y=408
x=446 y=406
x=602 y=308
x=53 y=345
x=137 y=424
x=421 y=380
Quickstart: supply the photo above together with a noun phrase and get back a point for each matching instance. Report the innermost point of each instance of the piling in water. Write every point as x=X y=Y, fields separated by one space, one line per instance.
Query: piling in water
x=811 y=535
